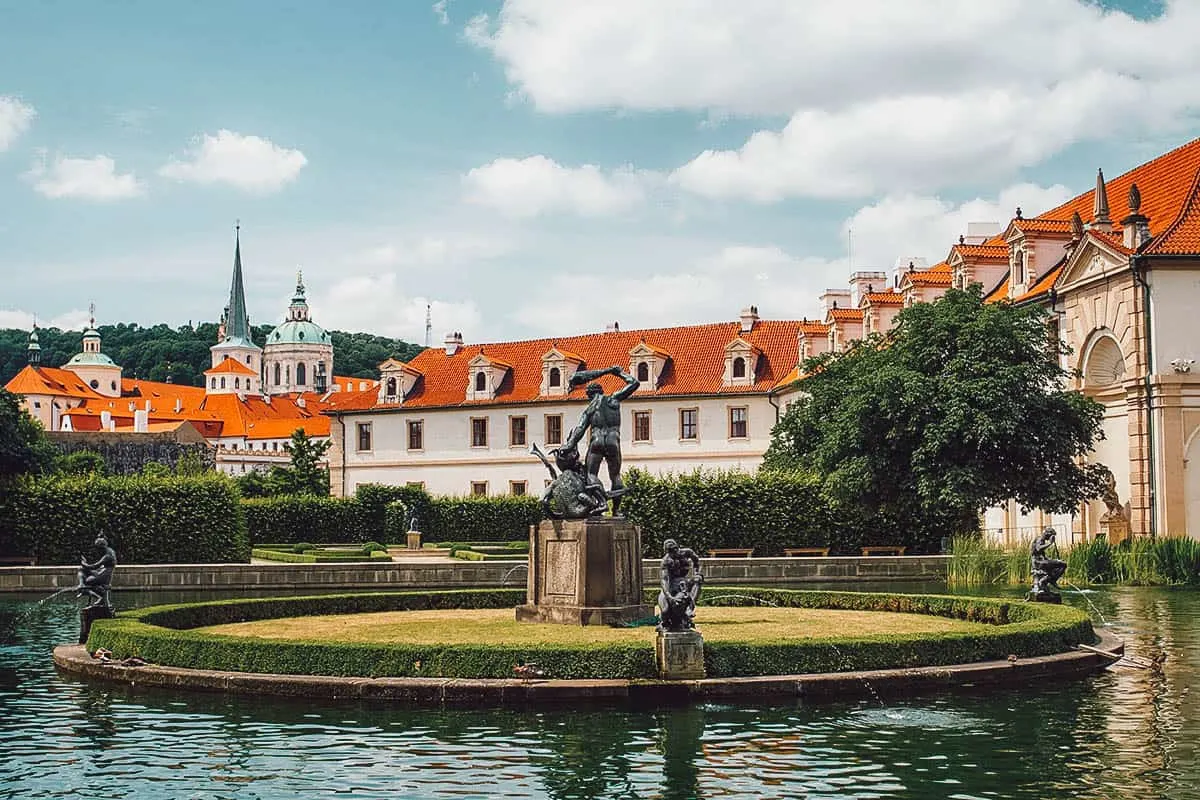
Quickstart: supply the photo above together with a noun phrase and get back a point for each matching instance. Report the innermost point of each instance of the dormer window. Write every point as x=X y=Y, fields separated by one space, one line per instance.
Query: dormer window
x=1018 y=268
x=648 y=363
x=396 y=381
x=557 y=368
x=486 y=375
x=643 y=372
x=480 y=382
x=741 y=363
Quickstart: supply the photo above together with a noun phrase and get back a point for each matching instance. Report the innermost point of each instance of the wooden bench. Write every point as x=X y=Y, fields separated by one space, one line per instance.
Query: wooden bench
x=735 y=552
x=18 y=561
x=805 y=551
x=883 y=550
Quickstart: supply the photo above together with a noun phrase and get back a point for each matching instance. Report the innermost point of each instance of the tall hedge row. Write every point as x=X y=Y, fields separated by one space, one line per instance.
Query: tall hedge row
x=307 y=518
x=767 y=511
x=147 y=520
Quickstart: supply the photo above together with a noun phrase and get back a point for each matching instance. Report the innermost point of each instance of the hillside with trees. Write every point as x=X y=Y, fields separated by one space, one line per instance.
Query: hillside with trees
x=160 y=351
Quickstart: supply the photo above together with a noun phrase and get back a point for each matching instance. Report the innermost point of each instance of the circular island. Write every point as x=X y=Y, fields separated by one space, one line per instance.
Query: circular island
x=465 y=648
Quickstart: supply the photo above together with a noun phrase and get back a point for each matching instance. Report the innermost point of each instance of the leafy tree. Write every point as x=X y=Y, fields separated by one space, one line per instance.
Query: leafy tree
x=81 y=462
x=23 y=444
x=304 y=475
x=960 y=407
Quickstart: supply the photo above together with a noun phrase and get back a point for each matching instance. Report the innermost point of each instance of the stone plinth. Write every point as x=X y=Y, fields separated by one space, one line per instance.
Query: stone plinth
x=88 y=615
x=413 y=540
x=1114 y=527
x=584 y=572
x=680 y=655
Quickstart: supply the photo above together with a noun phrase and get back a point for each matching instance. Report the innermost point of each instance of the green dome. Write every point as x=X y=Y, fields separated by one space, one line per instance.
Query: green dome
x=298 y=332
x=90 y=360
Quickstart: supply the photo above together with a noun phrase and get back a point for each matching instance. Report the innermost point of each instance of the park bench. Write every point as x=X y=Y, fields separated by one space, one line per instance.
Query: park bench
x=805 y=551
x=736 y=552
x=883 y=550
x=18 y=561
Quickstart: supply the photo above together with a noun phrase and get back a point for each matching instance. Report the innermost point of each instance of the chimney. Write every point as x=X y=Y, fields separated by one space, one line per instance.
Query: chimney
x=861 y=283
x=148 y=408
x=980 y=232
x=267 y=399
x=300 y=401
x=106 y=421
x=1135 y=228
x=749 y=316
x=453 y=342
x=612 y=327
x=141 y=420
x=832 y=298
x=178 y=404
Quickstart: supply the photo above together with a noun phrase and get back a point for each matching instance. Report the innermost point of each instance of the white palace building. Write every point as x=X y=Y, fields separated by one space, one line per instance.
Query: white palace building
x=1118 y=266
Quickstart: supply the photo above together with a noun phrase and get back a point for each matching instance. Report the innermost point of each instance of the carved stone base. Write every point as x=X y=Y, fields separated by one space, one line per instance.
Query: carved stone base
x=584 y=572
x=413 y=540
x=88 y=615
x=1114 y=527
x=1044 y=596
x=680 y=656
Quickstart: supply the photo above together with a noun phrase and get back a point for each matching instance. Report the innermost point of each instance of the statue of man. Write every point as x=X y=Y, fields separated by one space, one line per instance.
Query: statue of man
x=681 y=582
x=96 y=578
x=603 y=416
x=1045 y=570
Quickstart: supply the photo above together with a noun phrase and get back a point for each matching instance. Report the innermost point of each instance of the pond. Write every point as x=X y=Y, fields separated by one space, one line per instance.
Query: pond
x=1128 y=733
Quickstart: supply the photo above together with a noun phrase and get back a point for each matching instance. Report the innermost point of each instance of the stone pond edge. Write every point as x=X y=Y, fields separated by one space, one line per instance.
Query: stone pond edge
x=75 y=660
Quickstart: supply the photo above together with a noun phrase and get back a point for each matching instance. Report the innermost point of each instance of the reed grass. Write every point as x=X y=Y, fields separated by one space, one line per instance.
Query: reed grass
x=1141 y=561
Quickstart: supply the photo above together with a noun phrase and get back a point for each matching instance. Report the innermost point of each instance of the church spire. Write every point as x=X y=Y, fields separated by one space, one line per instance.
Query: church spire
x=34 y=350
x=237 y=321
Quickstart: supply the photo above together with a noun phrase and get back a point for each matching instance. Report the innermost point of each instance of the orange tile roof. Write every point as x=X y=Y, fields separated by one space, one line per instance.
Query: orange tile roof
x=1040 y=225
x=999 y=293
x=698 y=367
x=814 y=328
x=1042 y=285
x=1183 y=235
x=790 y=378
x=991 y=249
x=845 y=314
x=230 y=365
x=51 y=381
x=643 y=343
x=284 y=428
x=348 y=384
x=939 y=274
x=888 y=298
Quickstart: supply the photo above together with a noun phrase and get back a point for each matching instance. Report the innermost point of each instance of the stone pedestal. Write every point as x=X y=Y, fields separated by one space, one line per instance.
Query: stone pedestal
x=584 y=572
x=413 y=540
x=1114 y=527
x=680 y=655
x=88 y=615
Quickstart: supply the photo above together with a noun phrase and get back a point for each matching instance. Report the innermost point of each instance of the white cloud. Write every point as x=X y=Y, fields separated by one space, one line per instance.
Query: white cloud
x=93 y=178
x=528 y=187
x=881 y=96
x=15 y=119
x=379 y=304
x=439 y=10
x=434 y=251
x=251 y=163
x=72 y=320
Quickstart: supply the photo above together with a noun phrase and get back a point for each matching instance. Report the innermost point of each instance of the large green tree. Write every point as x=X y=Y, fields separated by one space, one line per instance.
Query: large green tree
x=23 y=445
x=962 y=405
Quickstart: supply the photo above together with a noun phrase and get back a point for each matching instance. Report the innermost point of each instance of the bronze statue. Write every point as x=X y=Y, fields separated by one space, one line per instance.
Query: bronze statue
x=681 y=582
x=603 y=417
x=95 y=579
x=568 y=496
x=1045 y=570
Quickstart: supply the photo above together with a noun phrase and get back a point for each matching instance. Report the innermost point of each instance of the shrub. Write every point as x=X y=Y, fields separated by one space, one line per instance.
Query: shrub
x=481 y=519
x=300 y=547
x=290 y=519
x=375 y=498
x=315 y=556
x=147 y=520
x=373 y=547
x=769 y=510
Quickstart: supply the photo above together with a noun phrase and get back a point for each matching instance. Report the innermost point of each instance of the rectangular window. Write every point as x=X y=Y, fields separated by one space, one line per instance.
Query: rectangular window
x=689 y=423
x=478 y=488
x=554 y=429
x=516 y=431
x=738 y=427
x=364 y=435
x=516 y=487
x=416 y=434
x=641 y=426
x=479 y=433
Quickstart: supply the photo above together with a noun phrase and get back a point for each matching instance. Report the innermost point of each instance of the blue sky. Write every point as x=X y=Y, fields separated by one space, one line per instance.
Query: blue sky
x=534 y=167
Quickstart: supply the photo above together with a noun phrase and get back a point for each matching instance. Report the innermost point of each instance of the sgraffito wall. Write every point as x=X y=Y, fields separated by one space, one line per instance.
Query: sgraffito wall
x=128 y=453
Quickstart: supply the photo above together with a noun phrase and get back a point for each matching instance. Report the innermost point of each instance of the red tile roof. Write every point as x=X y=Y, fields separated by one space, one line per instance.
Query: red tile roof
x=1041 y=225
x=697 y=368
x=1183 y=235
x=888 y=298
x=845 y=314
x=1042 y=285
x=230 y=365
x=999 y=293
x=810 y=328
x=49 y=381
x=993 y=249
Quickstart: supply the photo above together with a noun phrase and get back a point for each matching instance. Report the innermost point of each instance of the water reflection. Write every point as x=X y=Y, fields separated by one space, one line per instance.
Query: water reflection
x=1130 y=733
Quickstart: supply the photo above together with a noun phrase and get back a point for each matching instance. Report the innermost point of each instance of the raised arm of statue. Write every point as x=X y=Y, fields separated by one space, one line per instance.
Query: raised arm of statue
x=631 y=384
x=573 y=439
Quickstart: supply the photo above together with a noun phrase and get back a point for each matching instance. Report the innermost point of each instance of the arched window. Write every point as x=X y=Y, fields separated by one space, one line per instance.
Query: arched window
x=555 y=377
x=249 y=360
x=276 y=374
x=480 y=382
x=391 y=387
x=739 y=367
x=212 y=383
x=300 y=376
x=237 y=383
x=222 y=381
x=1019 y=267
x=643 y=372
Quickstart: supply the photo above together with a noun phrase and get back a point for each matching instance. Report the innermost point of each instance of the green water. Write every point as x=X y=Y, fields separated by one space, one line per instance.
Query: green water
x=1124 y=734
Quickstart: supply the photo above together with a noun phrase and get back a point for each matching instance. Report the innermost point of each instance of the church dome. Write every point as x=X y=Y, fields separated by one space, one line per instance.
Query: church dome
x=90 y=360
x=296 y=331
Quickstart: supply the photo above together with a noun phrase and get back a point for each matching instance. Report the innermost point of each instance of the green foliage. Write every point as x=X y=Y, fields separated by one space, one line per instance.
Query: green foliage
x=300 y=547
x=146 y=520
x=255 y=483
x=306 y=518
x=190 y=465
x=156 y=469
x=961 y=406
x=768 y=511
x=373 y=547
x=304 y=475
x=318 y=556
x=482 y=519
x=162 y=635
x=82 y=462
x=392 y=521
x=975 y=562
x=182 y=354
x=23 y=445
x=1142 y=561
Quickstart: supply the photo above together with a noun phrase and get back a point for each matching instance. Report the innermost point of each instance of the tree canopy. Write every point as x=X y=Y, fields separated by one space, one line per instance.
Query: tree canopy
x=304 y=475
x=160 y=351
x=961 y=406
x=23 y=445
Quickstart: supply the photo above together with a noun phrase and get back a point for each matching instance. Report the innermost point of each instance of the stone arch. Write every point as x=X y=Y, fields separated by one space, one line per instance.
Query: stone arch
x=1103 y=363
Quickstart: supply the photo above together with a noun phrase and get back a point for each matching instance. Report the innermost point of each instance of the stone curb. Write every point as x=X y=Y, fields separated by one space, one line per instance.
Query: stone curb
x=475 y=693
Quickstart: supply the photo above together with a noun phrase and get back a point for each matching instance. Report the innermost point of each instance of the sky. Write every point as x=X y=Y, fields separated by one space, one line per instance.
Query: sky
x=535 y=168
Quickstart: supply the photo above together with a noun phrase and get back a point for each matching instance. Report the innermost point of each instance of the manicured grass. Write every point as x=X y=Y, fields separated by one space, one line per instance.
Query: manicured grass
x=498 y=626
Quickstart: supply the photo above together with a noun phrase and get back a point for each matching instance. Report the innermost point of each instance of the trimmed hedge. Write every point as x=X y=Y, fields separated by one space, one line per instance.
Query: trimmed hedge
x=478 y=519
x=318 y=556
x=161 y=635
x=307 y=518
x=147 y=520
x=768 y=510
